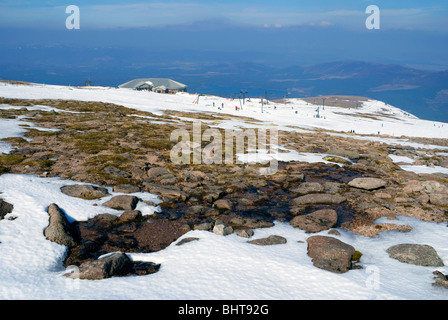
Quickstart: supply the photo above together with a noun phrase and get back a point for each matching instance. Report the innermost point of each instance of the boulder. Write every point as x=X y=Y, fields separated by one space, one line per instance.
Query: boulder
x=308 y=187
x=126 y=188
x=224 y=204
x=222 y=229
x=161 y=175
x=316 y=221
x=122 y=202
x=440 y=199
x=115 y=172
x=441 y=280
x=171 y=192
x=130 y=215
x=200 y=210
x=330 y=254
x=418 y=254
x=116 y=264
x=367 y=183
x=59 y=228
x=318 y=198
x=5 y=208
x=88 y=192
x=271 y=240
x=251 y=223
x=244 y=233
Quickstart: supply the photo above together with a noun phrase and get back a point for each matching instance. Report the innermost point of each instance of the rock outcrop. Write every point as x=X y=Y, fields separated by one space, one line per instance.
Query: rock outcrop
x=59 y=228
x=418 y=254
x=330 y=254
x=88 y=192
x=316 y=221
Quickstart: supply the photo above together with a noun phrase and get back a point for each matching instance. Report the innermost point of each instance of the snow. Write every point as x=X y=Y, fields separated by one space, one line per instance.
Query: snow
x=297 y=115
x=399 y=159
x=263 y=156
x=217 y=267
x=234 y=269
x=424 y=169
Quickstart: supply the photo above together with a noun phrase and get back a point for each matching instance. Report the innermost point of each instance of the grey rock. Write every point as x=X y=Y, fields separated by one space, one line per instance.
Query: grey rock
x=244 y=233
x=330 y=254
x=171 y=192
x=130 y=215
x=271 y=240
x=222 y=229
x=186 y=240
x=440 y=199
x=126 y=188
x=115 y=172
x=417 y=254
x=59 y=228
x=5 y=208
x=161 y=175
x=206 y=226
x=82 y=191
x=114 y=265
x=224 y=204
x=122 y=202
x=316 y=221
x=202 y=211
x=441 y=280
x=318 y=198
x=367 y=183
x=308 y=187
x=251 y=223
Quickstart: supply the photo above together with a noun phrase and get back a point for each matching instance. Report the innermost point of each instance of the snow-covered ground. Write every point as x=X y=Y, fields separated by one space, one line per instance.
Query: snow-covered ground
x=298 y=114
x=215 y=267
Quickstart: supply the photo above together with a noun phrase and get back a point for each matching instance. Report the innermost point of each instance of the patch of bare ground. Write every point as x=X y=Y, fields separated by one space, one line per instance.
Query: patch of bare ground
x=105 y=144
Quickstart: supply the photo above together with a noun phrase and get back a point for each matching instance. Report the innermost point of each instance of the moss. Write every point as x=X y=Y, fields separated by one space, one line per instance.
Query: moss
x=15 y=140
x=44 y=164
x=38 y=133
x=356 y=256
x=337 y=160
x=158 y=144
x=4 y=170
x=11 y=159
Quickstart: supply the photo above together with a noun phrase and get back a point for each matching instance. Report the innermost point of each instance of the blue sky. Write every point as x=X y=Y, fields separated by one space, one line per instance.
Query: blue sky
x=396 y=14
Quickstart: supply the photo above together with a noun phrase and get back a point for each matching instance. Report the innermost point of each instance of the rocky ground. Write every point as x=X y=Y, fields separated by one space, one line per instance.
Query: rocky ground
x=109 y=145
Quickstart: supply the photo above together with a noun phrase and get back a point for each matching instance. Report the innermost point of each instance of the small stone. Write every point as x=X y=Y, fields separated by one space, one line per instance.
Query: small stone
x=122 y=202
x=271 y=240
x=186 y=240
x=318 y=198
x=222 y=230
x=367 y=183
x=88 y=192
x=316 y=221
x=130 y=215
x=126 y=188
x=224 y=204
x=244 y=233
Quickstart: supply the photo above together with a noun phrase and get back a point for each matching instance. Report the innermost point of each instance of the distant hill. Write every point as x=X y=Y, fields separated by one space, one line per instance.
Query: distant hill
x=420 y=92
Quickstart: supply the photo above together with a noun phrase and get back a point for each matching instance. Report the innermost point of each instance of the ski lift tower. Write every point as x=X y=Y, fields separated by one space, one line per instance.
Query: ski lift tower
x=244 y=92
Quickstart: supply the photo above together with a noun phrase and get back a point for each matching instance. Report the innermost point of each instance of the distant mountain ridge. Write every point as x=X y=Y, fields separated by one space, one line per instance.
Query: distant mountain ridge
x=420 y=92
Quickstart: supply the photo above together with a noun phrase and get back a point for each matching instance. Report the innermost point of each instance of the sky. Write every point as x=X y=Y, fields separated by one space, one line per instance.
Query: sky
x=34 y=34
x=400 y=14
